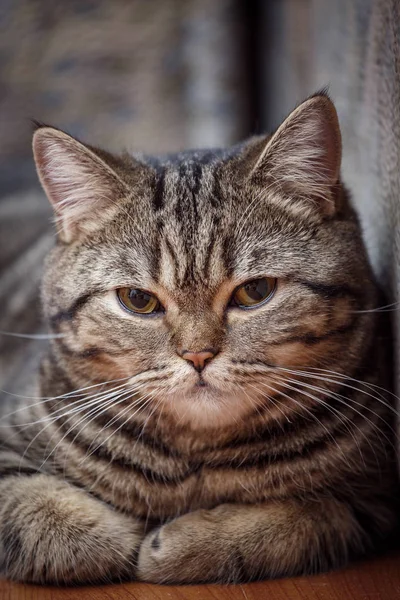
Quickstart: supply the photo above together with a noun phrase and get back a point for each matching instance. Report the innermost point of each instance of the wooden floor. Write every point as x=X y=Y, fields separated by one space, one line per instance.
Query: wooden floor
x=377 y=579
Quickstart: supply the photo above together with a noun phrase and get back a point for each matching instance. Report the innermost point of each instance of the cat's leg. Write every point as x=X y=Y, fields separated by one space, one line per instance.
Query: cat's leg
x=52 y=532
x=236 y=543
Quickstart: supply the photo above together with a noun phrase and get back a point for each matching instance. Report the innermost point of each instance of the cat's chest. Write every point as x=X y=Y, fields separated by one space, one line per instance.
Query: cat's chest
x=146 y=494
x=152 y=477
x=160 y=486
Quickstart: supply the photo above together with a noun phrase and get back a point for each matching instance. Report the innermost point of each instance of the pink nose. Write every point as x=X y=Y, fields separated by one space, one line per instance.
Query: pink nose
x=198 y=358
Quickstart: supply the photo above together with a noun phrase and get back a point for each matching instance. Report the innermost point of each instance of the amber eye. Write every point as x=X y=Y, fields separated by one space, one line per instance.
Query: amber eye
x=138 y=301
x=254 y=292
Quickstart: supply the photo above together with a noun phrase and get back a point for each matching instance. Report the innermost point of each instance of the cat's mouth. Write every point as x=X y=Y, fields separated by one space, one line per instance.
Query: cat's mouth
x=202 y=388
x=200 y=383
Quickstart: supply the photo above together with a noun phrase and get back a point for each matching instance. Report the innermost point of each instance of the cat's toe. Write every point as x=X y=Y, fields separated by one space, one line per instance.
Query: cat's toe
x=181 y=551
x=154 y=558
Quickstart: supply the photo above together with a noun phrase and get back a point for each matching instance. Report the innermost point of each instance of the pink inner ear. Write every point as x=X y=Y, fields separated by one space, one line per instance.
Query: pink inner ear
x=80 y=186
x=67 y=175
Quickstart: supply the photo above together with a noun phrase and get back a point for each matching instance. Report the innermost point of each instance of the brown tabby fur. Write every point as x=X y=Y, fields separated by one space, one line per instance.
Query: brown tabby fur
x=282 y=463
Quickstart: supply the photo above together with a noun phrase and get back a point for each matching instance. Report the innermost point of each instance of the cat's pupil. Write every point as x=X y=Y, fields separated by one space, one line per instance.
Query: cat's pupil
x=257 y=289
x=139 y=298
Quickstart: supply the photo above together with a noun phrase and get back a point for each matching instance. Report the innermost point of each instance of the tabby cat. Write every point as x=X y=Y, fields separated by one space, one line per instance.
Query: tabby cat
x=212 y=404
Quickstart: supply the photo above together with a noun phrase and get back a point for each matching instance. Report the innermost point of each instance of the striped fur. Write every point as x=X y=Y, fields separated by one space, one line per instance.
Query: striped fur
x=282 y=461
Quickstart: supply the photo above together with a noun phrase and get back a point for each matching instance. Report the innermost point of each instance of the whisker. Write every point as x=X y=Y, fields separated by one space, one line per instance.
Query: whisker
x=387 y=308
x=152 y=412
x=67 y=394
x=372 y=386
x=44 y=399
x=43 y=429
x=111 y=401
x=116 y=417
x=334 y=411
x=94 y=412
x=323 y=372
x=155 y=408
x=271 y=399
x=159 y=402
x=313 y=416
x=21 y=427
x=51 y=416
x=34 y=336
x=343 y=400
x=133 y=389
x=146 y=401
x=253 y=403
x=83 y=404
x=352 y=387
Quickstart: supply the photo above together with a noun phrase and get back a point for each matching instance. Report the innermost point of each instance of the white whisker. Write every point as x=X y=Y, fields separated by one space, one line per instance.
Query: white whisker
x=345 y=401
x=34 y=336
x=51 y=415
x=117 y=398
x=342 y=418
x=302 y=407
x=147 y=399
x=51 y=421
x=44 y=399
x=335 y=381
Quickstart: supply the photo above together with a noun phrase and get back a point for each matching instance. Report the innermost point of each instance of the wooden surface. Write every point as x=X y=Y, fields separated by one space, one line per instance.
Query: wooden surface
x=377 y=579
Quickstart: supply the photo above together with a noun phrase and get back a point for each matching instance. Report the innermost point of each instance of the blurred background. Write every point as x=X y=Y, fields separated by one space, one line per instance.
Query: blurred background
x=161 y=75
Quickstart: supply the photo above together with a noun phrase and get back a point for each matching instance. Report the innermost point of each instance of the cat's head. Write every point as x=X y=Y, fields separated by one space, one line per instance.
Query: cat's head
x=203 y=276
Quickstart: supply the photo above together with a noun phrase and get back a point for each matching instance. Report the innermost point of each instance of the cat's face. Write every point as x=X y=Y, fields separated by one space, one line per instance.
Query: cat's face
x=204 y=276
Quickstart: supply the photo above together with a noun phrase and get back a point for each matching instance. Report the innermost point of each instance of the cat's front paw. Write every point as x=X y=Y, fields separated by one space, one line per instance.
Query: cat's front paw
x=194 y=548
x=51 y=532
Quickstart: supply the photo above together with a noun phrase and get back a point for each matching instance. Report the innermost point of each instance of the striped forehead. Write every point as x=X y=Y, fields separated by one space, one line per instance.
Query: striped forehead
x=188 y=198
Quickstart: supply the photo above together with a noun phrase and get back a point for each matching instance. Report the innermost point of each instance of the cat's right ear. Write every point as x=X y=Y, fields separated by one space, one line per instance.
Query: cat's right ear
x=80 y=185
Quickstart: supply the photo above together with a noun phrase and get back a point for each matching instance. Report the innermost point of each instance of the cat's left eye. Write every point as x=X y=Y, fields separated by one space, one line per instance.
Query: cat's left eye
x=138 y=301
x=253 y=293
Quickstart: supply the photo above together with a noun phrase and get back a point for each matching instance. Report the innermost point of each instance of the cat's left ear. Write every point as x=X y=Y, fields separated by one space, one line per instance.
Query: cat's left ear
x=80 y=183
x=301 y=161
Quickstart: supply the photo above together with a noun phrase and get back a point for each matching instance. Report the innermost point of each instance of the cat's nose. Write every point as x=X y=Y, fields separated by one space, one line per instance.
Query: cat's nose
x=199 y=359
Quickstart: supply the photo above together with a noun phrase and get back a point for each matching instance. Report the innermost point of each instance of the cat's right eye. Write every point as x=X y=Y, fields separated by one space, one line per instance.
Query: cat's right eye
x=138 y=301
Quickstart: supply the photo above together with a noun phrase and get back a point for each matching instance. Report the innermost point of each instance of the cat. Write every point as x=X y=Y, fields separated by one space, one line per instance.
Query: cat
x=212 y=403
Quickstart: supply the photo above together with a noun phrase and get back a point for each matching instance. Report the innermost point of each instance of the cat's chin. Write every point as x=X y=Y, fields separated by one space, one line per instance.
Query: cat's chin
x=205 y=407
